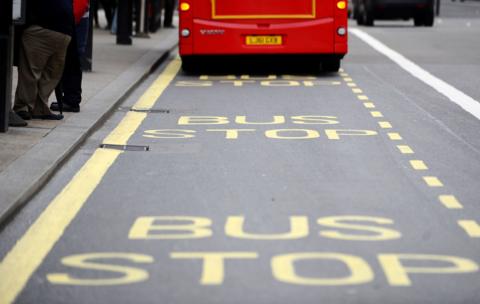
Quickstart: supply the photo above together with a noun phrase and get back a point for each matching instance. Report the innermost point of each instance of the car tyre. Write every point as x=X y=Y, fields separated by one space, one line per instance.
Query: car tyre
x=429 y=19
x=419 y=20
x=367 y=17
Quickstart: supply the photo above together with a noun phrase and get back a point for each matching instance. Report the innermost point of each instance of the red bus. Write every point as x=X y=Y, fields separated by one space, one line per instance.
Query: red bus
x=264 y=27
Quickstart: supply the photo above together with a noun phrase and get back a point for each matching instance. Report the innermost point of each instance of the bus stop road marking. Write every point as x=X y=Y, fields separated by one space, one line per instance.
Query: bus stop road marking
x=472 y=228
x=29 y=252
x=450 y=202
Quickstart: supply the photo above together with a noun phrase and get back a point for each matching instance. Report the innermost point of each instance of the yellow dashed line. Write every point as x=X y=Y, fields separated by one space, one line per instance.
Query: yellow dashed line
x=432 y=181
x=385 y=125
x=405 y=149
x=450 y=202
x=472 y=228
x=344 y=74
x=418 y=165
x=394 y=136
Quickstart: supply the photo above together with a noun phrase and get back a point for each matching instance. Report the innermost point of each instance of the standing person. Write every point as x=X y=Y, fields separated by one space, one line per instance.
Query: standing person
x=69 y=89
x=43 y=47
x=169 y=9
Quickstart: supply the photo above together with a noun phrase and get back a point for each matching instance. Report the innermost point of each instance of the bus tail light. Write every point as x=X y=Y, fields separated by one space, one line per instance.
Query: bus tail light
x=342 y=5
x=184 y=6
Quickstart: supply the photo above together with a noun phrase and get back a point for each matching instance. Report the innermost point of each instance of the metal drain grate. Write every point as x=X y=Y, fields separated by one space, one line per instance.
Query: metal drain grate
x=154 y=111
x=125 y=147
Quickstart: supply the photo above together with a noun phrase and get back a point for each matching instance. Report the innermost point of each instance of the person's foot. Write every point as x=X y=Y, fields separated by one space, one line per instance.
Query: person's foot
x=48 y=116
x=24 y=115
x=16 y=121
x=171 y=26
x=66 y=107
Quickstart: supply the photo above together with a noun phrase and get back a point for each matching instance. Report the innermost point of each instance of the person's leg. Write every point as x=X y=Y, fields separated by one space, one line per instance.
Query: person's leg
x=72 y=77
x=33 y=57
x=52 y=73
x=169 y=7
x=108 y=8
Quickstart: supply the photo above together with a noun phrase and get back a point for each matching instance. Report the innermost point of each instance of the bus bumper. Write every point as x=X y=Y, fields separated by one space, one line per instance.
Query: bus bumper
x=209 y=37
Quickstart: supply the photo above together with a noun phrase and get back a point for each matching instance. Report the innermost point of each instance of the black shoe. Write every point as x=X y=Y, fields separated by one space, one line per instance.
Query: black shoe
x=66 y=107
x=170 y=26
x=16 y=121
x=24 y=115
x=48 y=116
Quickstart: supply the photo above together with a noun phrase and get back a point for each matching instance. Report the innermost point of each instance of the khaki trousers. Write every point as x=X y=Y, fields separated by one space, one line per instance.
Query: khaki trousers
x=40 y=67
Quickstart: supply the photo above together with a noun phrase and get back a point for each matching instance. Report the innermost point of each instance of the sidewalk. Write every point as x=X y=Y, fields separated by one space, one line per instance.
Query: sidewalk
x=29 y=156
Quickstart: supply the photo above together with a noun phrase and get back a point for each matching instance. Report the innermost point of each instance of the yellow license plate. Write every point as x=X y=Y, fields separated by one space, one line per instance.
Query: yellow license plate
x=264 y=40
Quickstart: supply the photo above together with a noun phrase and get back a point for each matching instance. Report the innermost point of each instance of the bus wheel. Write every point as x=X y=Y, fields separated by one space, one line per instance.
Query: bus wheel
x=331 y=65
x=419 y=20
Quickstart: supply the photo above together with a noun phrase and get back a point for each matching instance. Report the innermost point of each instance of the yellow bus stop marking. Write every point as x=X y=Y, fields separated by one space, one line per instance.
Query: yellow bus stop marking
x=450 y=202
x=394 y=136
x=405 y=149
x=432 y=181
x=385 y=125
x=472 y=228
x=30 y=251
x=418 y=165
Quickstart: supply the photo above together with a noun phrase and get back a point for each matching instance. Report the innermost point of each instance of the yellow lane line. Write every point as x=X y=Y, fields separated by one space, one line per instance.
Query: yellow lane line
x=369 y=105
x=351 y=84
x=30 y=251
x=450 y=202
x=362 y=97
x=405 y=149
x=432 y=181
x=418 y=165
x=376 y=114
x=32 y=248
x=357 y=91
x=385 y=125
x=348 y=79
x=394 y=136
x=472 y=228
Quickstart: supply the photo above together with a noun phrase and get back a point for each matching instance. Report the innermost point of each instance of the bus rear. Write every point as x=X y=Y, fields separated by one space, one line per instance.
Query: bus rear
x=264 y=27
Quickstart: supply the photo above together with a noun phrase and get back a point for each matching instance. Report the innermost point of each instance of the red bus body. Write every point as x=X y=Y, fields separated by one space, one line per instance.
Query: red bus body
x=221 y=27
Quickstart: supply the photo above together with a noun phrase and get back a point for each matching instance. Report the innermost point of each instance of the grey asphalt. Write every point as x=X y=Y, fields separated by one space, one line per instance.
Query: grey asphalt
x=268 y=180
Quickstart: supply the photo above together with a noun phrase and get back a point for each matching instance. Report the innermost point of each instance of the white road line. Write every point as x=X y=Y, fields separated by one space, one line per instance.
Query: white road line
x=453 y=94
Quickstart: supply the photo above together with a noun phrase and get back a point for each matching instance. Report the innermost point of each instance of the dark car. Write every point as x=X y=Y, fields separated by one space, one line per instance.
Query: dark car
x=367 y=11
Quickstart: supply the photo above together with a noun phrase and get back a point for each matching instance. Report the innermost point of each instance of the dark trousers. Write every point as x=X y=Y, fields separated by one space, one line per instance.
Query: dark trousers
x=69 y=90
x=169 y=8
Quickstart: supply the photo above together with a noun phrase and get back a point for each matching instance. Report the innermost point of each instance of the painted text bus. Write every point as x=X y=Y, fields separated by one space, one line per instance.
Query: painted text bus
x=317 y=28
